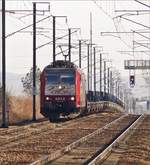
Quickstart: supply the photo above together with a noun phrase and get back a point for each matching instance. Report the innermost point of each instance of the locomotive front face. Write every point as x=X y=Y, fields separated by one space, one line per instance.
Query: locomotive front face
x=59 y=90
x=59 y=82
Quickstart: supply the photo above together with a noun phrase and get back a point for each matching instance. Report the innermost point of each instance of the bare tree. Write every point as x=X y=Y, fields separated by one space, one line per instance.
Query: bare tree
x=27 y=81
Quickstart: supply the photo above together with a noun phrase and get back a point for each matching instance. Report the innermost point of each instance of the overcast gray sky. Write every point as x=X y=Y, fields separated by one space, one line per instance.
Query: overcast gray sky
x=19 y=46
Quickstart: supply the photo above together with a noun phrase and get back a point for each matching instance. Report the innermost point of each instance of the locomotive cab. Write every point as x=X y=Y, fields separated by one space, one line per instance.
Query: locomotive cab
x=62 y=90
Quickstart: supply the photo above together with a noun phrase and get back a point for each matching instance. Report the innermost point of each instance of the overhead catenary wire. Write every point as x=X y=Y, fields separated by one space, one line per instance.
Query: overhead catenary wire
x=11 y=34
x=50 y=42
x=112 y=20
x=142 y=3
x=95 y=2
x=67 y=49
x=135 y=22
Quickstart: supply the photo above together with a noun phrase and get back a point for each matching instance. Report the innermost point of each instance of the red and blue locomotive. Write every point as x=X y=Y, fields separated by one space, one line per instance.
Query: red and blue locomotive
x=63 y=90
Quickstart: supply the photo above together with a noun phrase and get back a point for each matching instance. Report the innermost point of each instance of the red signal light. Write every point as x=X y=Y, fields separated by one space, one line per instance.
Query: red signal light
x=132 y=80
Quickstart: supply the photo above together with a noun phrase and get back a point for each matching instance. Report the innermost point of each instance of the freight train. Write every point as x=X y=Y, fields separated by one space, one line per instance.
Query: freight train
x=63 y=91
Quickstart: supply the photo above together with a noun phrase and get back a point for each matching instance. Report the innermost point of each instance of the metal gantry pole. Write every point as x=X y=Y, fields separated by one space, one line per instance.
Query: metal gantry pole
x=91 y=51
x=116 y=88
x=94 y=78
x=104 y=77
x=4 y=110
x=118 y=91
x=108 y=80
x=100 y=81
x=113 y=87
x=88 y=65
x=34 y=62
x=80 y=53
x=111 y=84
x=54 y=38
x=69 y=44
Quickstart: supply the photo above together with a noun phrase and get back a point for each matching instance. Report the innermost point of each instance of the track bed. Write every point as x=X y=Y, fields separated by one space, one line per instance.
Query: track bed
x=135 y=148
x=45 y=139
x=91 y=147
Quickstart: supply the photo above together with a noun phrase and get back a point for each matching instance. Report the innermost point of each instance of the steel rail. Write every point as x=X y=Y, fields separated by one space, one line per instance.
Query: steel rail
x=59 y=153
x=33 y=129
x=107 y=151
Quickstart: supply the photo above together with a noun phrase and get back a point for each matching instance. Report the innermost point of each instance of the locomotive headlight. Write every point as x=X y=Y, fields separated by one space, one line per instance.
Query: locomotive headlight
x=72 y=98
x=59 y=87
x=47 y=98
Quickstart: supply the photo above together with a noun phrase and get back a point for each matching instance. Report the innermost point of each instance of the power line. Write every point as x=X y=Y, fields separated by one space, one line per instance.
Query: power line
x=135 y=22
x=50 y=42
x=11 y=34
x=142 y=3
x=95 y=2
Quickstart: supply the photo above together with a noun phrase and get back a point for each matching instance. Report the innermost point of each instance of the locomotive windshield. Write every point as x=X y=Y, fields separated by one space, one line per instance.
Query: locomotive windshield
x=64 y=78
x=52 y=79
x=67 y=79
x=57 y=83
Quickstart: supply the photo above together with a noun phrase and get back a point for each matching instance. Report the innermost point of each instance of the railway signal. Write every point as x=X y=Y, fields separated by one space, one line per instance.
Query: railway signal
x=132 y=80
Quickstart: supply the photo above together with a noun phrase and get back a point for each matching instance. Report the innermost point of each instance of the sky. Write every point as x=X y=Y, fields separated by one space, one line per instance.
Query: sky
x=104 y=19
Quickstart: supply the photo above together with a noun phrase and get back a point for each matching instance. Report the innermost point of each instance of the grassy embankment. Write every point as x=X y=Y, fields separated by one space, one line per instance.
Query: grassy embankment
x=20 y=108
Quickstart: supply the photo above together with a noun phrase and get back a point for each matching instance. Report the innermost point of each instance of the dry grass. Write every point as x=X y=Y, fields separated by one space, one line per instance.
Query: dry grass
x=7 y=100
x=20 y=109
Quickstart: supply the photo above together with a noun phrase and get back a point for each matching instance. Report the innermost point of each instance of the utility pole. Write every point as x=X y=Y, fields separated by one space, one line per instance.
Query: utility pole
x=108 y=80
x=100 y=73
x=113 y=86
x=80 y=53
x=34 y=62
x=69 y=44
x=4 y=110
x=54 y=36
x=104 y=77
x=88 y=65
x=116 y=89
x=94 y=53
x=111 y=83
x=90 y=51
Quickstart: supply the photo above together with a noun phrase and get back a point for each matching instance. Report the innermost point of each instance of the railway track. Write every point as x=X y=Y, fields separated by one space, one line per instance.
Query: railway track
x=92 y=147
x=29 y=149
x=15 y=133
x=134 y=148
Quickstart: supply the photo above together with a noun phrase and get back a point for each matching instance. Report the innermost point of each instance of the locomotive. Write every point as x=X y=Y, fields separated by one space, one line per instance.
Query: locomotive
x=63 y=90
